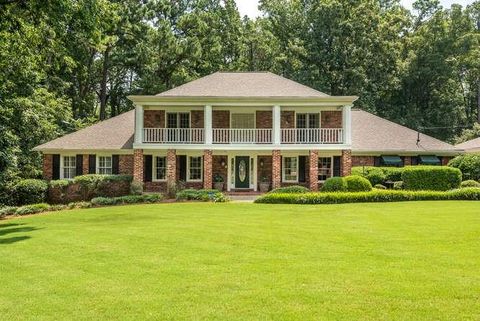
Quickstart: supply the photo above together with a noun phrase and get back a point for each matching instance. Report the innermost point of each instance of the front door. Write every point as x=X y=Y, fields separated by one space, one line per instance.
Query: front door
x=242 y=172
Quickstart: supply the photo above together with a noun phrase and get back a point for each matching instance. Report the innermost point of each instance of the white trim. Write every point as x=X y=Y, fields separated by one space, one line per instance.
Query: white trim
x=245 y=147
x=62 y=165
x=347 y=124
x=138 y=137
x=188 y=168
x=97 y=163
x=208 y=124
x=283 y=169
x=276 y=122
x=154 y=168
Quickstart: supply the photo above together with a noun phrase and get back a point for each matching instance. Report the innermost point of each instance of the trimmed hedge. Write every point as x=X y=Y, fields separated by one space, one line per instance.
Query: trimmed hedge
x=30 y=191
x=471 y=193
x=128 y=199
x=468 y=164
x=469 y=183
x=431 y=178
x=334 y=184
x=391 y=174
x=357 y=183
x=294 y=189
x=204 y=195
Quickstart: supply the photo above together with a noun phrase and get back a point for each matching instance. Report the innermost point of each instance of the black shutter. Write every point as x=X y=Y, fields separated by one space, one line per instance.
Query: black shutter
x=115 y=165
x=56 y=166
x=377 y=161
x=414 y=160
x=92 y=164
x=336 y=165
x=301 y=168
x=147 y=165
x=79 y=165
x=182 y=163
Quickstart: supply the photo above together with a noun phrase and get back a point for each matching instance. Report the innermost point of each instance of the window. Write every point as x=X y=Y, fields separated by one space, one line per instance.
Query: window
x=69 y=167
x=290 y=169
x=308 y=121
x=324 y=168
x=178 y=120
x=105 y=165
x=160 y=168
x=195 y=168
x=243 y=120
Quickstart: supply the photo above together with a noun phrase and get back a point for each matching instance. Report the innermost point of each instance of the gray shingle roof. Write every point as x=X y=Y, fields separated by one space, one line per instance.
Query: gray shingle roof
x=472 y=145
x=243 y=84
x=373 y=133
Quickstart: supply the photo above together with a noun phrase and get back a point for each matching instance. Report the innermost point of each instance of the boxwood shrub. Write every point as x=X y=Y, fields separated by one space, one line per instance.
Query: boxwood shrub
x=357 y=183
x=30 y=191
x=470 y=193
x=128 y=199
x=468 y=164
x=294 y=189
x=469 y=183
x=432 y=178
x=32 y=209
x=390 y=174
x=334 y=184
x=204 y=195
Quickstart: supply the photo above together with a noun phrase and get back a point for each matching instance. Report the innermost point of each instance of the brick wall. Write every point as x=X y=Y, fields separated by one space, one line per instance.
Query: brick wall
x=85 y=163
x=331 y=119
x=313 y=170
x=217 y=167
x=155 y=187
x=197 y=118
x=264 y=119
x=138 y=165
x=276 y=169
x=287 y=119
x=363 y=160
x=171 y=167
x=346 y=162
x=125 y=164
x=47 y=166
x=221 y=119
x=207 y=169
x=445 y=160
x=154 y=118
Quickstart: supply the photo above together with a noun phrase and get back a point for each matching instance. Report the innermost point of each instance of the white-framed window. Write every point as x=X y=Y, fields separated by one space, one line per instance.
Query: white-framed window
x=325 y=168
x=69 y=167
x=290 y=169
x=160 y=166
x=242 y=120
x=105 y=165
x=178 y=120
x=195 y=168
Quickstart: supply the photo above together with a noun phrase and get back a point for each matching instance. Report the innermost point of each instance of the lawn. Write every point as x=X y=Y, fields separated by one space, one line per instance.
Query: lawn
x=239 y=261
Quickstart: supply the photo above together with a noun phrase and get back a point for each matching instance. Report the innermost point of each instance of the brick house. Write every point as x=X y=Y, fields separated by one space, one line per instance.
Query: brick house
x=243 y=129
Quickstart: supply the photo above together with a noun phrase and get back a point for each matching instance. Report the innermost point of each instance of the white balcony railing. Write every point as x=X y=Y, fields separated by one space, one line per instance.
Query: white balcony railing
x=242 y=136
x=174 y=135
x=312 y=136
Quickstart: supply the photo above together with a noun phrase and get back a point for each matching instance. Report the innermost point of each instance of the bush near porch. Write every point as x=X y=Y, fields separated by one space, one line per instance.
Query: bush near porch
x=468 y=164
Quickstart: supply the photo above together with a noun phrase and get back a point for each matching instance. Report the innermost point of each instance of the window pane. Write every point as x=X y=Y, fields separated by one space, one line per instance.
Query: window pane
x=290 y=168
x=243 y=121
x=301 y=120
x=161 y=167
x=313 y=121
x=324 y=168
x=171 y=120
x=184 y=120
x=195 y=168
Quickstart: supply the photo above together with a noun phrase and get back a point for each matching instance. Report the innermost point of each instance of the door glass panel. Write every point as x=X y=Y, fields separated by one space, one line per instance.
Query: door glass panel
x=242 y=171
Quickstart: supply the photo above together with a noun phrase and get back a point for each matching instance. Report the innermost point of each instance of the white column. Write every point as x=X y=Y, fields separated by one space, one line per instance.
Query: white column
x=347 y=124
x=208 y=125
x=138 y=124
x=276 y=125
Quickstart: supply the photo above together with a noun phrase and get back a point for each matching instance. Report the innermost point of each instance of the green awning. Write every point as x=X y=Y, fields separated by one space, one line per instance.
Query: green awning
x=429 y=160
x=392 y=160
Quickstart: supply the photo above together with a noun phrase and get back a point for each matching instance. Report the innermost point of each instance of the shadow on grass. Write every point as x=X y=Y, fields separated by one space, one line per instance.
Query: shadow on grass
x=14 y=228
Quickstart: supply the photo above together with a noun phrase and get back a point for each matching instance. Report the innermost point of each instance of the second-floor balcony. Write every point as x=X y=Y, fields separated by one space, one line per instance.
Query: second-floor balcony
x=243 y=135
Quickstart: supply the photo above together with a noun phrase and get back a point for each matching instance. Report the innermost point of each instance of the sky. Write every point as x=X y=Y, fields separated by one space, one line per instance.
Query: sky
x=249 y=7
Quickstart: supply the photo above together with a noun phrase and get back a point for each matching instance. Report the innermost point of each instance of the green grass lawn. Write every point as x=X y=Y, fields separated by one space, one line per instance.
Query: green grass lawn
x=239 y=261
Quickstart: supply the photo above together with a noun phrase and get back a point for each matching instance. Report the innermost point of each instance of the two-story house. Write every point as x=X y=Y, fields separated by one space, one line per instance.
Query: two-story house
x=243 y=128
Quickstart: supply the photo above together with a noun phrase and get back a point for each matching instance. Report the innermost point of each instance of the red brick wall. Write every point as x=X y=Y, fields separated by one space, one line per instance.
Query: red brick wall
x=197 y=118
x=346 y=162
x=221 y=119
x=264 y=119
x=363 y=160
x=276 y=169
x=217 y=167
x=446 y=159
x=47 y=166
x=171 y=167
x=125 y=164
x=287 y=119
x=331 y=119
x=207 y=169
x=313 y=170
x=154 y=118
x=138 y=165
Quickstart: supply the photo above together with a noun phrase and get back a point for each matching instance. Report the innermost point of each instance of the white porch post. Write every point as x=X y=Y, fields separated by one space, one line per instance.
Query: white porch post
x=276 y=125
x=138 y=124
x=347 y=124
x=208 y=125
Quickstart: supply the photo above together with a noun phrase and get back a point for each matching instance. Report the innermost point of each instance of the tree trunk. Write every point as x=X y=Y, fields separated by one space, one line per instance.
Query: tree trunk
x=103 y=85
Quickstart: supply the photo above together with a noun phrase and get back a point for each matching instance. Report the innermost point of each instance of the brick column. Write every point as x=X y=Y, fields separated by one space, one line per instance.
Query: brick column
x=171 y=169
x=313 y=170
x=346 y=162
x=85 y=164
x=207 y=169
x=138 y=165
x=47 y=166
x=445 y=160
x=276 y=169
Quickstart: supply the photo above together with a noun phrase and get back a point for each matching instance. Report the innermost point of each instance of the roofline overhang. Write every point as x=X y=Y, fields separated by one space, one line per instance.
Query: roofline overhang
x=221 y=100
x=358 y=152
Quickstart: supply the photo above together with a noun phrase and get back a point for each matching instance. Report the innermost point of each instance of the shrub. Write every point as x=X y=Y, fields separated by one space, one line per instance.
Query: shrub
x=468 y=164
x=103 y=201
x=433 y=178
x=9 y=210
x=201 y=195
x=391 y=174
x=136 y=188
x=372 y=196
x=81 y=204
x=469 y=183
x=334 y=184
x=398 y=185
x=380 y=186
x=32 y=209
x=376 y=176
x=31 y=191
x=357 y=183
x=294 y=189
x=59 y=207
x=128 y=199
